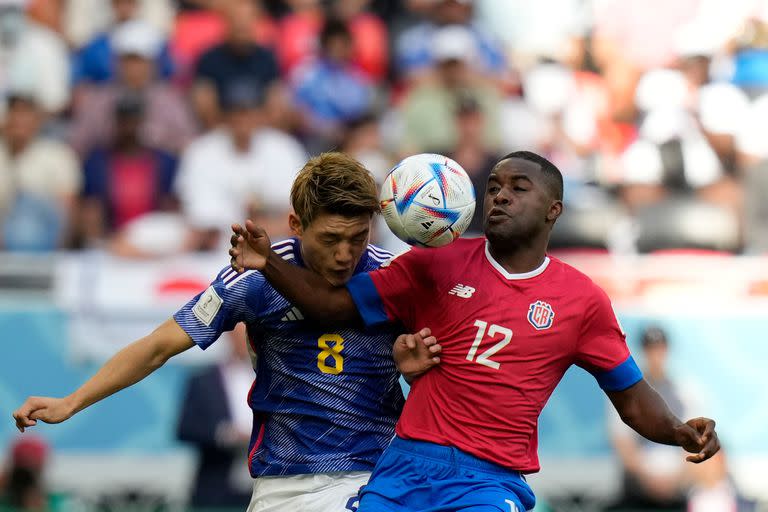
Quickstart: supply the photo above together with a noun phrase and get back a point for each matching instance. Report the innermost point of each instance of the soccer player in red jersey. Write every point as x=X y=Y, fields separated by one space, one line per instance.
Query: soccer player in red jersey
x=511 y=321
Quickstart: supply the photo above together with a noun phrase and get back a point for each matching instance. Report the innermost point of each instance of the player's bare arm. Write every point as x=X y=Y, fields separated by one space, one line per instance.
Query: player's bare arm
x=641 y=407
x=314 y=295
x=127 y=367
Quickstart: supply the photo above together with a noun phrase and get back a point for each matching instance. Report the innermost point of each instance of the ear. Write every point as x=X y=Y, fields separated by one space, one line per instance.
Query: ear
x=555 y=210
x=295 y=224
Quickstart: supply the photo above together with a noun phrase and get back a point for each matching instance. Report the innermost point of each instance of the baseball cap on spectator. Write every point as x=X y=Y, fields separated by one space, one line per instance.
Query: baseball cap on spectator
x=722 y=108
x=453 y=43
x=29 y=452
x=661 y=88
x=137 y=38
x=21 y=95
x=750 y=137
x=654 y=335
x=241 y=95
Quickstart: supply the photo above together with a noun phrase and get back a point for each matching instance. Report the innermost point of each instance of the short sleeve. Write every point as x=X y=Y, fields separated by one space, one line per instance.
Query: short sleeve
x=231 y=298
x=602 y=347
x=390 y=294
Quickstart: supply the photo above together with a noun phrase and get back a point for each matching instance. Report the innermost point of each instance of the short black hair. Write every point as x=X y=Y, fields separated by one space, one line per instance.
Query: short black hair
x=334 y=27
x=552 y=174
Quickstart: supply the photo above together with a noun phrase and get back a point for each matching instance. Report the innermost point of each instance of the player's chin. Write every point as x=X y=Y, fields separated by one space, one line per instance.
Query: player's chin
x=338 y=278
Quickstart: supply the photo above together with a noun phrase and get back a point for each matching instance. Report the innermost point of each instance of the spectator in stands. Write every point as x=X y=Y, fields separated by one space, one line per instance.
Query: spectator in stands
x=654 y=475
x=471 y=151
x=416 y=53
x=363 y=141
x=298 y=34
x=200 y=25
x=243 y=169
x=168 y=124
x=428 y=109
x=97 y=60
x=214 y=421
x=238 y=58
x=331 y=90
x=369 y=37
x=39 y=181
x=125 y=179
x=22 y=485
x=32 y=58
x=85 y=19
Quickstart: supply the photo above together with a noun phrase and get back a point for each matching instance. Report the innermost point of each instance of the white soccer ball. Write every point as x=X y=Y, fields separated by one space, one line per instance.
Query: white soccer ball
x=428 y=200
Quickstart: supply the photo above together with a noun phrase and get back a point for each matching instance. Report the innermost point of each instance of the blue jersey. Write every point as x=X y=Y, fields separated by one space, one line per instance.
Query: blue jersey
x=322 y=400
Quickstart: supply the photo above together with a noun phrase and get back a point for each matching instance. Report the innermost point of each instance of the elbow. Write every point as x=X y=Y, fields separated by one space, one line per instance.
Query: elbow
x=631 y=414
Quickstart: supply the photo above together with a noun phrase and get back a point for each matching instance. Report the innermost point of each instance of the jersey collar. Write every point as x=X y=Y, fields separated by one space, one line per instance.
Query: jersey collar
x=515 y=277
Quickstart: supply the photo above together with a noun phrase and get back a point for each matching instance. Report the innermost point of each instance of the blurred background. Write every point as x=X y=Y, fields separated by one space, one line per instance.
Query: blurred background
x=133 y=132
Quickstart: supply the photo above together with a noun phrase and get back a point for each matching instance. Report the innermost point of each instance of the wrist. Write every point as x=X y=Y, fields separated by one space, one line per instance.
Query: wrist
x=72 y=405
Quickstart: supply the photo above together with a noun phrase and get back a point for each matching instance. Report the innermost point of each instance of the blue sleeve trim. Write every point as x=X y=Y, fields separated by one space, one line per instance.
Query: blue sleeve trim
x=620 y=378
x=366 y=298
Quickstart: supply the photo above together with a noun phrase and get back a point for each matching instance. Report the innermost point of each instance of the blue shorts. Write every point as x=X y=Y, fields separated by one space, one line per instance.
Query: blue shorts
x=427 y=477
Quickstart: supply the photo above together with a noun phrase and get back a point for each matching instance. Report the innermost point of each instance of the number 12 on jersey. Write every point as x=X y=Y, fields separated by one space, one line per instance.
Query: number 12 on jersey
x=485 y=357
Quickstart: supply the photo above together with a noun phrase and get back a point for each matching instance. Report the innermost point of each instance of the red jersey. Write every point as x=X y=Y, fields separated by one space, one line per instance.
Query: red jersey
x=507 y=341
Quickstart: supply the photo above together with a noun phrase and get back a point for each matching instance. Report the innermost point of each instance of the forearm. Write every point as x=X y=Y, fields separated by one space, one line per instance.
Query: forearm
x=646 y=412
x=314 y=296
x=130 y=365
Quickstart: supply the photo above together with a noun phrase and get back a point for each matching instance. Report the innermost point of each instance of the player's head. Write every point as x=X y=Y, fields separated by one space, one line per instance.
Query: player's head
x=523 y=199
x=334 y=198
x=655 y=349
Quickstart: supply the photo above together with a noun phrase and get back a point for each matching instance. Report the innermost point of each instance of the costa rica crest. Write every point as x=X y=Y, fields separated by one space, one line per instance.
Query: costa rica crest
x=540 y=315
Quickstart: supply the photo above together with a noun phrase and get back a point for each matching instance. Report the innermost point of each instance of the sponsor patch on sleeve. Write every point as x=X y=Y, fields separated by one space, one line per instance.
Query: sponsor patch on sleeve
x=207 y=306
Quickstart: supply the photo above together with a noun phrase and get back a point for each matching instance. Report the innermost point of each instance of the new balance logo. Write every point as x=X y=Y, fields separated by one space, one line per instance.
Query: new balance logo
x=292 y=315
x=462 y=291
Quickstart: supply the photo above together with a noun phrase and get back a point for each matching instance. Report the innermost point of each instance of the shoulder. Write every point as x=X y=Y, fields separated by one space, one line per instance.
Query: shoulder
x=213 y=141
x=271 y=136
x=211 y=55
x=578 y=283
x=377 y=256
x=262 y=53
x=54 y=151
x=280 y=147
x=286 y=249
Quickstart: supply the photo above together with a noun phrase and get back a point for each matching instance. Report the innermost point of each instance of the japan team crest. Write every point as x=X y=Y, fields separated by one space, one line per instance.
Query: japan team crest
x=540 y=315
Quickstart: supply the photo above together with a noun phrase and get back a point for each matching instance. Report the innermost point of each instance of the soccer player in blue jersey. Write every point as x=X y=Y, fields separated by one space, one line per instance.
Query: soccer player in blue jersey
x=325 y=402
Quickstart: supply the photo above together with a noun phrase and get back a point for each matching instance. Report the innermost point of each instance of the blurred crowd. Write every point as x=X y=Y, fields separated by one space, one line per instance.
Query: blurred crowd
x=148 y=126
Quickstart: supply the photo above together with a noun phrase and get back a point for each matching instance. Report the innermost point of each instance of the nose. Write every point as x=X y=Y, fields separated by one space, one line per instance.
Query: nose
x=344 y=254
x=502 y=197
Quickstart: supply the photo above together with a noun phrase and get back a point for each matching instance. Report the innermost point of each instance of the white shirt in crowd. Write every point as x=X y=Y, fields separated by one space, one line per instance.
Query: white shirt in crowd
x=45 y=168
x=217 y=184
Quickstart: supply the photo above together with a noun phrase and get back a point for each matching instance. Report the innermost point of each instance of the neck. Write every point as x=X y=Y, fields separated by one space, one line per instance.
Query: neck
x=518 y=258
x=242 y=143
x=16 y=146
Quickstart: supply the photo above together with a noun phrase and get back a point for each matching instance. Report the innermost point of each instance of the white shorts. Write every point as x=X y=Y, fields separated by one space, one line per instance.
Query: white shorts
x=323 y=492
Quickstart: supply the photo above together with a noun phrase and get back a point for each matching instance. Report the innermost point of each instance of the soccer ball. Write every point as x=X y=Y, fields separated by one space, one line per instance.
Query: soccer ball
x=427 y=200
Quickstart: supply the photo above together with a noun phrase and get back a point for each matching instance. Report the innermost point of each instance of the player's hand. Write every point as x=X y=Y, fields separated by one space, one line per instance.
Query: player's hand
x=250 y=247
x=698 y=437
x=45 y=409
x=414 y=354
